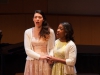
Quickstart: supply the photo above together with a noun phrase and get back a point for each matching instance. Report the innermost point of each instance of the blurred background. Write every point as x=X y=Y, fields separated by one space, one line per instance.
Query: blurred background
x=16 y=16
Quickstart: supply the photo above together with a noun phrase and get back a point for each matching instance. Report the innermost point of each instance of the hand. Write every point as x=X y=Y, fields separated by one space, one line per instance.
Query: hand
x=49 y=60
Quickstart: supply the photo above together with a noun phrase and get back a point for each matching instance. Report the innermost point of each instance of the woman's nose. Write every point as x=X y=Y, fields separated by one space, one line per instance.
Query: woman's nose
x=37 y=18
x=57 y=30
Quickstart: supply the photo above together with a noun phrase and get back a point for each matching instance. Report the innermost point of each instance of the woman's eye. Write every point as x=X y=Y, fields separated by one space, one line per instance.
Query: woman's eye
x=34 y=17
x=61 y=29
x=39 y=17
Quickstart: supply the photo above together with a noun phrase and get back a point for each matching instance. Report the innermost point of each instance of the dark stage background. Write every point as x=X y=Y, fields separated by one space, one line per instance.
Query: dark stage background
x=13 y=59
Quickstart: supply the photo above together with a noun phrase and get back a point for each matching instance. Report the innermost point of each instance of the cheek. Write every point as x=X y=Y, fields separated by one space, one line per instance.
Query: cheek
x=62 y=35
x=41 y=20
x=33 y=20
x=40 y=23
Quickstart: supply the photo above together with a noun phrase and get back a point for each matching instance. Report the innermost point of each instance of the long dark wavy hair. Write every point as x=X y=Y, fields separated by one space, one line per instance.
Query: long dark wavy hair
x=69 y=30
x=45 y=31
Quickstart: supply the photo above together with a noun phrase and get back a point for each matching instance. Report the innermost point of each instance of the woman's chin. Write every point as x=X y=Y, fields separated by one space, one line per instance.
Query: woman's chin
x=57 y=36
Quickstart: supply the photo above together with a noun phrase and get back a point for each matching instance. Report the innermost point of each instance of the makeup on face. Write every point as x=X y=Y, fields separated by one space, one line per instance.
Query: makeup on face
x=60 y=31
x=38 y=19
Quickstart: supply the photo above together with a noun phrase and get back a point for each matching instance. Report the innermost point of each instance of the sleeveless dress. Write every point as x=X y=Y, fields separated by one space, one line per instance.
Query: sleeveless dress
x=38 y=67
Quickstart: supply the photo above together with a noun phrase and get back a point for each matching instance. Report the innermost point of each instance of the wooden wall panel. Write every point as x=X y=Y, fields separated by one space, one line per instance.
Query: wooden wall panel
x=23 y=6
x=79 y=7
x=31 y=5
x=29 y=21
x=12 y=27
x=13 y=6
x=53 y=22
x=95 y=30
x=86 y=30
x=75 y=21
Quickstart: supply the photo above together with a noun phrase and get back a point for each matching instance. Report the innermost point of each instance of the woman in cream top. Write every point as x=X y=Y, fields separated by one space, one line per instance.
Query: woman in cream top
x=64 y=52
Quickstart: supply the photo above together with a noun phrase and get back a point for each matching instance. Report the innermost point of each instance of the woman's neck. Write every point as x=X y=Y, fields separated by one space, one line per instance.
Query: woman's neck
x=62 y=39
x=37 y=28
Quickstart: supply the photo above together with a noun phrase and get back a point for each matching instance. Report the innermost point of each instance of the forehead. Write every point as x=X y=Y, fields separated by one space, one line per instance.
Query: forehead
x=37 y=14
x=61 y=26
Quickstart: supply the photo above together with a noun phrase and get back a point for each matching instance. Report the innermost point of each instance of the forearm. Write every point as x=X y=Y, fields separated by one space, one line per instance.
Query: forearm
x=59 y=60
x=32 y=54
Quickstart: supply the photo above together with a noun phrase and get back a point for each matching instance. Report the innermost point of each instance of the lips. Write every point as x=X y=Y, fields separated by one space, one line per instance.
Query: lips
x=37 y=22
x=57 y=34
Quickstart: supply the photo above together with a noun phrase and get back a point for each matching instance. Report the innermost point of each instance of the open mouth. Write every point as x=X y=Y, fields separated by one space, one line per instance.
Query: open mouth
x=57 y=34
x=37 y=22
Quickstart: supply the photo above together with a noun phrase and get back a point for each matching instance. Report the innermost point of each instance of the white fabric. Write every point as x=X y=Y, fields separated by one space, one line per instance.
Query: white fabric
x=31 y=55
x=70 y=55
